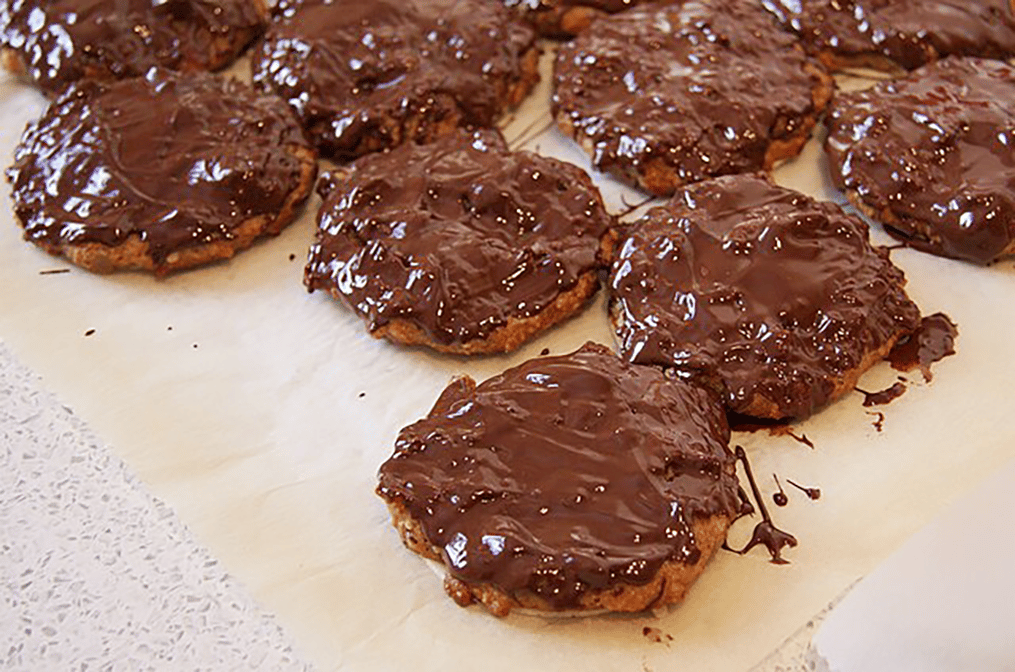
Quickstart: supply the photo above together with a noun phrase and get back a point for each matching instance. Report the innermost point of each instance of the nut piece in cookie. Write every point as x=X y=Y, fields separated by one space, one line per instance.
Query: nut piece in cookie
x=575 y=483
x=460 y=245
x=57 y=42
x=159 y=173
x=931 y=156
x=896 y=35
x=776 y=301
x=368 y=75
x=566 y=18
x=669 y=94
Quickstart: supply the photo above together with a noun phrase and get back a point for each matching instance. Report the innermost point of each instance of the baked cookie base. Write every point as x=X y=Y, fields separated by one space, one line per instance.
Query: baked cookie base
x=668 y=586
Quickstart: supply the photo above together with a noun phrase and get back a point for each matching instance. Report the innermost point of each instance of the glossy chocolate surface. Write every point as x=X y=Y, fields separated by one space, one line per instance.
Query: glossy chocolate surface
x=368 y=70
x=177 y=160
x=457 y=237
x=565 y=475
x=702 y=86
x=755 y=290
x=62 y=41
x=909 y=33
x=935 y=151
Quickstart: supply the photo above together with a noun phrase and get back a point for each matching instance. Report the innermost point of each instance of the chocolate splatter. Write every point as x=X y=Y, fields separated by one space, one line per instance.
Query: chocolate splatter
x=780 y=497
x=765 y=533
x=931 y=342
x=879 y=423
x=54 y=271
x=89 y=332
x=812 y=493
x=656 y=635
x=882 y=397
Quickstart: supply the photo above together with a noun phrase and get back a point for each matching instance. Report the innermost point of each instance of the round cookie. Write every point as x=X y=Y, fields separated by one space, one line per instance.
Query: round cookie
x=665 y=95
x=571 y=483
x=57 y=42
x=931 y=157
x=894 y=35
x=566 y=18
x=460 y=245
x=159 y=173
x=774 y=300
x=366 y=76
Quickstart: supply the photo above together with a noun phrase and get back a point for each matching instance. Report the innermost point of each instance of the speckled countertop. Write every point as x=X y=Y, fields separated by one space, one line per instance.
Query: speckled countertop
x=95 y=573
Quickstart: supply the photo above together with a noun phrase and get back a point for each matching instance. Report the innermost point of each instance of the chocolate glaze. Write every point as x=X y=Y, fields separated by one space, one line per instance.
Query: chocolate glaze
x=879 y=420
x=765 y=532
x=458 y=236
x=754 y=289
x=178 y=160
x=565 y=475
x=934 y=152
x=351 y=70
x=703 y=86
x=882 y=397
x=62 y=41
x=932 y=342
x=909 y=33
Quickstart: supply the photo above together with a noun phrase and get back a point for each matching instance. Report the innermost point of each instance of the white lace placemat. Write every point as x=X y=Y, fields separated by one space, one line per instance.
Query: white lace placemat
x=95 y=573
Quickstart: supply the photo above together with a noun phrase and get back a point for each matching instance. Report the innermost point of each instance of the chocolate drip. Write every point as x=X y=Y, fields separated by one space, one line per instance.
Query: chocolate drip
x=565 y=475
x=685 y=85
x=359 y=74
x=765 y=532
x=63 y=41
x=780 y=497
x=931 y=342
x=757 y=291
x=175 y=160
x=812 y=493
x=883 y=397
x=458 y=237
x=909 y=33
x=930 y=155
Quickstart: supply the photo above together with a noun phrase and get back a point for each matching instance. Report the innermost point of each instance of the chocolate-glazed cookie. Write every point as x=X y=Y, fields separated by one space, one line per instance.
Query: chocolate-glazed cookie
x=460 y=245
x=665 y=95
x=368 y=75
x=893 y=35
x=160 y=172
x=57 y=42
x=776 y=301
x=566 y=18
x=931 y=157
x=571 y=483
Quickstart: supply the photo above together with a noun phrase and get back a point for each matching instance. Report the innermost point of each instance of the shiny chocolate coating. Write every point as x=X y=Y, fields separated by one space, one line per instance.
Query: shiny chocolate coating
x=909 y=33
x=62 y=41
x=565 y=475
x=933 y=156
x=178 y=160
x=458 y=236
x=755 y=290
x=367 y=74
x=548 y=15
x=704 y=87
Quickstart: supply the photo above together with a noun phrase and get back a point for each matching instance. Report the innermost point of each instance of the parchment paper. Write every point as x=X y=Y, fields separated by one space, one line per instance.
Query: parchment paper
x=261 y=414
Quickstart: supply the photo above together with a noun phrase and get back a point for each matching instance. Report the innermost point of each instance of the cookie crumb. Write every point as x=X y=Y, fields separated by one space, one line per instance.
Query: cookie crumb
x=89 y=332
x=292 y=257
x=362 y=394
x=195 y=346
